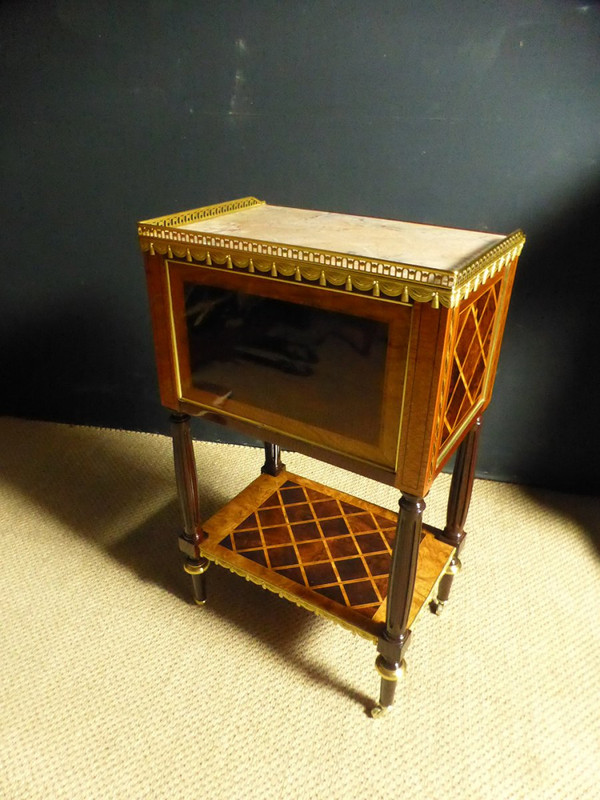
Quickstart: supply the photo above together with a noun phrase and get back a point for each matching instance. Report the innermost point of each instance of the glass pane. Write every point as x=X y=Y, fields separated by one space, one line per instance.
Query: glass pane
x=316 y=366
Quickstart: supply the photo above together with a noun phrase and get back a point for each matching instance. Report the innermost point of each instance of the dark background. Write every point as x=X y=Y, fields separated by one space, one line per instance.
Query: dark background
x=469 y=114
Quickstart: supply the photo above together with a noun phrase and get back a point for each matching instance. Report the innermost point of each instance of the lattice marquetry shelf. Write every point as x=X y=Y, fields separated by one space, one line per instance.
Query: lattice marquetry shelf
x=324 y=550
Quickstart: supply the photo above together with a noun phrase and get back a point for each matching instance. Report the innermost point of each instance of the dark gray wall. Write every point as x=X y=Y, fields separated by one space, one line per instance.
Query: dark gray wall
x=481 y=115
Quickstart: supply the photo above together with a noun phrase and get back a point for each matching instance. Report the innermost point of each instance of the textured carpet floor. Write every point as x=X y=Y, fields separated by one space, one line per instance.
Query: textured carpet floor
x=114 y=686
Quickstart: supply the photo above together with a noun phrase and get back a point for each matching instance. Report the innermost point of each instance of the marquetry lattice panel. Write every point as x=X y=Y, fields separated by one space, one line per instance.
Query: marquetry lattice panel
x=329 y=545
x=324 y=550
x=470 y=358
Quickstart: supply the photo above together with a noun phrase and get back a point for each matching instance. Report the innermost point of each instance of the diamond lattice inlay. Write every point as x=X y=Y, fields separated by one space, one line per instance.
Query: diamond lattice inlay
x=329 y=545
x=470 y=359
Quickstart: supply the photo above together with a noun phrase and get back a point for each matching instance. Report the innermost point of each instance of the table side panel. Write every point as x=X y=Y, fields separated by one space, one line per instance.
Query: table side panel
x=471 y=361
x=509 y=280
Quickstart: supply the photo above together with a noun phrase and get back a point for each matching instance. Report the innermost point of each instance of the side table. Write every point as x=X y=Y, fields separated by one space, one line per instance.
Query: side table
x=369 y=344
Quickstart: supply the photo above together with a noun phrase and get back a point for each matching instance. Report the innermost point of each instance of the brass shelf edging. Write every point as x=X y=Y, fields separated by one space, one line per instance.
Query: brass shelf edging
x=308 y=606
x=293 y=598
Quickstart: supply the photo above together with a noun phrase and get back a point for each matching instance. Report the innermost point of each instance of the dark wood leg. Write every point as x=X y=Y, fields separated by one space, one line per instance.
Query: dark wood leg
x=187 y=489
x=394 y=641
x=273 y=464
x=459 y=500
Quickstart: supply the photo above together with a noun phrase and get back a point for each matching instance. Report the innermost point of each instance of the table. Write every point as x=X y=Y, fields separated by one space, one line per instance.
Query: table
x=370 y=344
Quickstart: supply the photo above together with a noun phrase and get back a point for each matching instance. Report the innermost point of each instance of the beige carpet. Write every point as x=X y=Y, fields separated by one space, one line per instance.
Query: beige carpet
x=114 y=686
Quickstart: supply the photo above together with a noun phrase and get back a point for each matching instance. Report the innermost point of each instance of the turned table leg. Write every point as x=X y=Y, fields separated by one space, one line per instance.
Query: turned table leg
x=459 y=500
x=187 y=490
x=394 y=641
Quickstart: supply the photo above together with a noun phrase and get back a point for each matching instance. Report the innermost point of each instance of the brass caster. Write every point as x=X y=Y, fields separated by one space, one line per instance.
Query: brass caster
x=379 y=711
x=200 y=602
x=437 y=606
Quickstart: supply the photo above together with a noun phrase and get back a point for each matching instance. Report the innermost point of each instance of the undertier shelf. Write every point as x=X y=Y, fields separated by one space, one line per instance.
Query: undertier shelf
x=320 y=548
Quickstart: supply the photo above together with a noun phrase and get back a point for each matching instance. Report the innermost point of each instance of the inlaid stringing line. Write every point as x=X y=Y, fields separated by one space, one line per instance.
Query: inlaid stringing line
x=262 y=539
x=388 y=550
x=481 y=315
x=362 y=558
x=459 y=366
x=291 y=529
x=460 y=362
x=459 y=413
x=469 y=393
x=340 y=582
x=490 y=329
x=385 y=548
x=464 y=381
x=464 y=319
x=477 y=333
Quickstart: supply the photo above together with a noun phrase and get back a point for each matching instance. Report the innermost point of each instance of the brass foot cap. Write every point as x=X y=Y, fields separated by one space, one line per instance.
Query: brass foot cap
x=438 y=606
x=380 y=711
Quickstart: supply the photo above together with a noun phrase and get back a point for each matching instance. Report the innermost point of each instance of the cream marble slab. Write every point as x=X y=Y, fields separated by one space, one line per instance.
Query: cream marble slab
x=387 y=240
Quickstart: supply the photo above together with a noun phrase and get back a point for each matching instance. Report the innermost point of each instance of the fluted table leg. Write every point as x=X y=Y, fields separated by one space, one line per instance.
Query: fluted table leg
x=393 y=643
x=187 y=490
x=461 y=489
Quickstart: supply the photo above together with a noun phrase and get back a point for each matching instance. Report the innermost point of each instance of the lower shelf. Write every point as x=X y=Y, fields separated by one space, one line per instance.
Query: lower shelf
x=320 y=548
